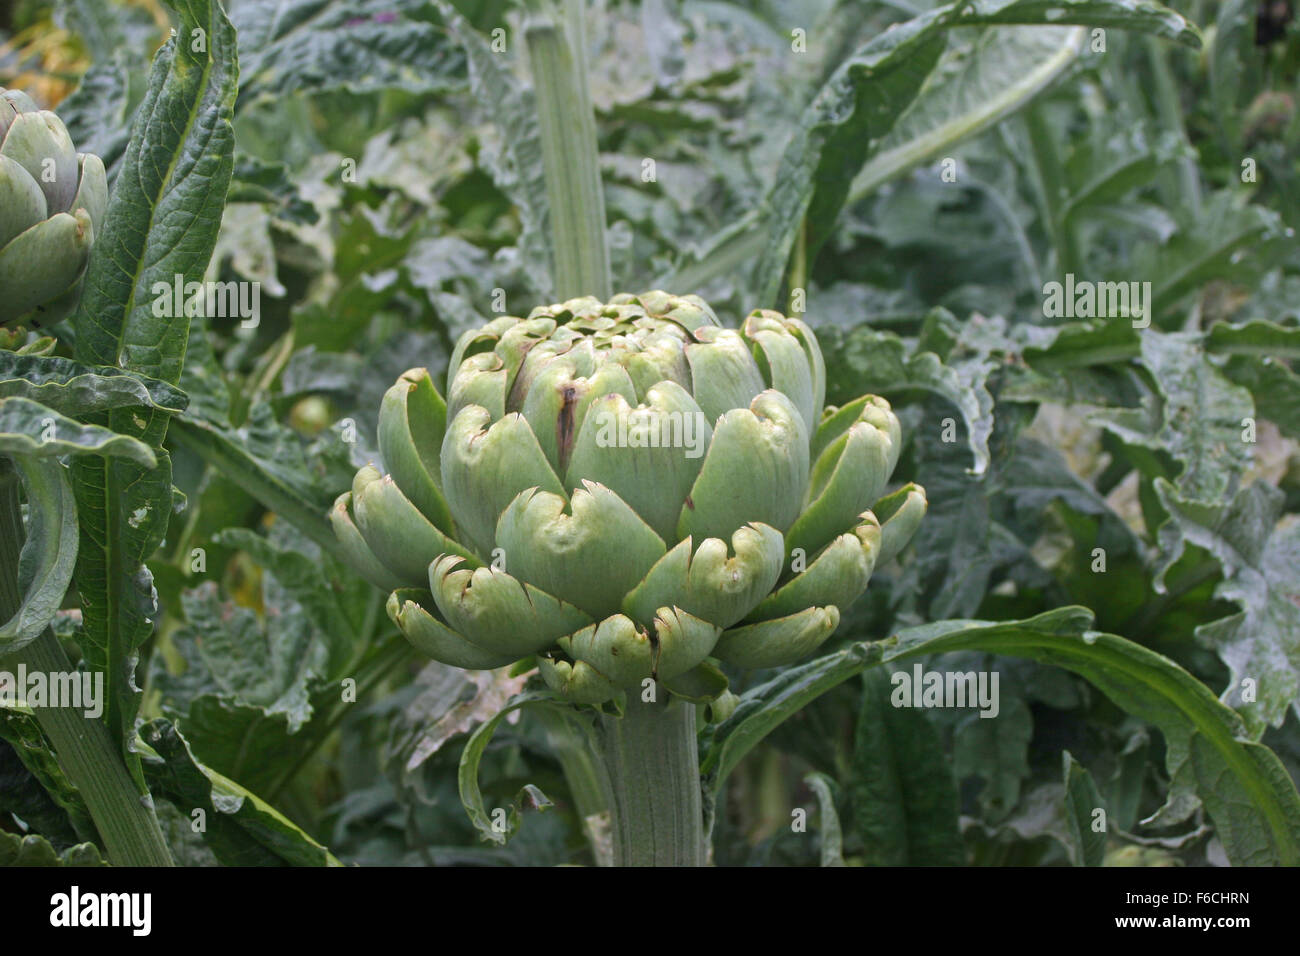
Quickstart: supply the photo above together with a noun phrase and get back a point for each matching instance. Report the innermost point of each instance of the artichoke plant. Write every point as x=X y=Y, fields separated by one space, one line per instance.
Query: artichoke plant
x=52 y=199
x=624 y=491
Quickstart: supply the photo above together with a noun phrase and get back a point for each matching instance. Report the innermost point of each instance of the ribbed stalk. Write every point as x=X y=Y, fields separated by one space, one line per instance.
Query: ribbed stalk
x=85 y=752
x=653 y=767
x=571 y=164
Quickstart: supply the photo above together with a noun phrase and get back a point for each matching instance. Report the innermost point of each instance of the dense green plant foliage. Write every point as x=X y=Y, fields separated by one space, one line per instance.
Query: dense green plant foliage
x=1057 y=240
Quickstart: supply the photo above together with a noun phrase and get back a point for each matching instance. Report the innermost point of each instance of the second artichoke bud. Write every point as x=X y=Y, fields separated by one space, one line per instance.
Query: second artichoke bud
x=52 y=200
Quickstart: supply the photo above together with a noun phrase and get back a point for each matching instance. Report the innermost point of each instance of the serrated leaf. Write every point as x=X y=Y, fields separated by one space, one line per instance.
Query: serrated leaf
x=1200 y=419
x=31 y=430
x=251 y=684
x=241 y=828
x=307 y=585
x=1256 y=356
x=867 y=360
x=229 y=653
x=162 y=221
x=962 y=543
x=1261 y=575
x=74 y=389
x=357 y=45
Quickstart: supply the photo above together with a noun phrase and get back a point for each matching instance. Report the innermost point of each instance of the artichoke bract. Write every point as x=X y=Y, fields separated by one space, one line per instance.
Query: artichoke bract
x=52 y=199
x=626 y=490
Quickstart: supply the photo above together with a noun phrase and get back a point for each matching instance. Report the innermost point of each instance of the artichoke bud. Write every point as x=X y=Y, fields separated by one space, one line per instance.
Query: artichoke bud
x=625 y=491
x=52 y=203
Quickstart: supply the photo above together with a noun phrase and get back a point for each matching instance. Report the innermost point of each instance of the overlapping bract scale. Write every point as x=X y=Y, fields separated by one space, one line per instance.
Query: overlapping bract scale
x=625 y=490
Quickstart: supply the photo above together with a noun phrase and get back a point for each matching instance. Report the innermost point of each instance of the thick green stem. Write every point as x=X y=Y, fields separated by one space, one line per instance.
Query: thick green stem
x=652 y=762
x=124 y=818
x=571 y=163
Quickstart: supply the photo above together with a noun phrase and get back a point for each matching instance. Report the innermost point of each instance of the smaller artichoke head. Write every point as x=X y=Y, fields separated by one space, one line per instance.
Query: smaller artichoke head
x=625 y=490
x=52 y=200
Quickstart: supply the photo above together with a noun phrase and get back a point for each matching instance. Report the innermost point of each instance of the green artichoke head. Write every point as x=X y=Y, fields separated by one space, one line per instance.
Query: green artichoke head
x=52 y=199
x=625 y=490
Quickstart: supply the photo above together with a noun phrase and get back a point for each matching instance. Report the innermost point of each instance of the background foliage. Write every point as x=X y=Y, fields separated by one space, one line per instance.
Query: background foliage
x=1045 y=445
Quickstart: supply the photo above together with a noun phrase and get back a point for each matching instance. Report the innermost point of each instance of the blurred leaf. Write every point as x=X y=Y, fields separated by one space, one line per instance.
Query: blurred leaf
x=1227 y=239
x=1258 y=356
x=96 y=114
x=904 y=795
x=1200 y=419
x=269 y=184
x=1081 y=801
x=241 y=829
x=866 y=360
x=451 y=702
x=831 y=836
x=357 y=45
x=973 y=87
x=267 y=461
x=1261 y=568
x=860 y=103
x=514 y=156
x=35 y=850
x=1235 y=68
x=96 y=23
x=1113 y=163
x=997 y=751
